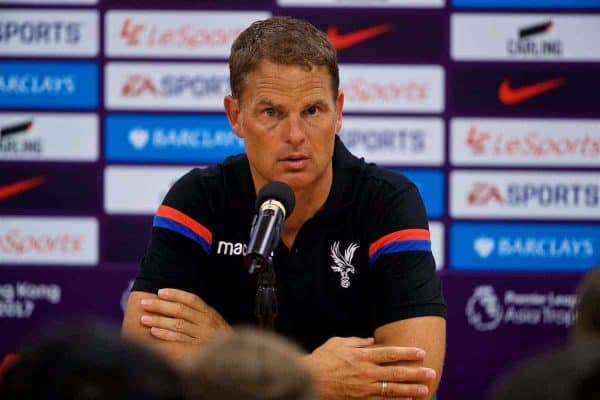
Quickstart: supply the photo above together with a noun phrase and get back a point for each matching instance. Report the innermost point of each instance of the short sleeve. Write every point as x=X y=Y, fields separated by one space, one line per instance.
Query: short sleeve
x=405 y=281
x=181 y=238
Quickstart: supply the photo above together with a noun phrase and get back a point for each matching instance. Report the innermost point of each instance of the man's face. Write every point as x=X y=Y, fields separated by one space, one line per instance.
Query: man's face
x=288 y=118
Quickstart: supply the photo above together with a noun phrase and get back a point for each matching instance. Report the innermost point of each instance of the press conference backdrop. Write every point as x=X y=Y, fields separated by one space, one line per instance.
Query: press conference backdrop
x=490 y=106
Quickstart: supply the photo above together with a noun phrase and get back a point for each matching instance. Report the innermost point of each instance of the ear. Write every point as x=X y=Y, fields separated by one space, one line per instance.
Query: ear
x=232 y=110
x=339 y=105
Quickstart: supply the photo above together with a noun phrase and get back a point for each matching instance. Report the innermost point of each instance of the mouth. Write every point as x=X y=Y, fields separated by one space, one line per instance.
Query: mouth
x=294 y=162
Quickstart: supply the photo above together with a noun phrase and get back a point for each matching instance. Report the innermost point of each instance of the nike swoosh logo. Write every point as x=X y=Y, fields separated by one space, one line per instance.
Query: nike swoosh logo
x=15 y=128
x=13 y=189
x=509 y=95
x=343 y=40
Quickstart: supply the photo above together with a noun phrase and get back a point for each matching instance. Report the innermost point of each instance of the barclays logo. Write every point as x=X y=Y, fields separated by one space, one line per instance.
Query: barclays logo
x=518 y=246
x=41 y=85
x=534 y=247
x=207 y=139
x=183 y=138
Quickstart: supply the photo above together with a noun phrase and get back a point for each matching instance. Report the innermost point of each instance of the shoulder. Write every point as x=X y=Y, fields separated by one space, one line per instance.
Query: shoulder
x=202 y=191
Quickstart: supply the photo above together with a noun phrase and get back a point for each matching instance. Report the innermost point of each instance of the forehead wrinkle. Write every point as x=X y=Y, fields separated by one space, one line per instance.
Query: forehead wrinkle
x=309 y=91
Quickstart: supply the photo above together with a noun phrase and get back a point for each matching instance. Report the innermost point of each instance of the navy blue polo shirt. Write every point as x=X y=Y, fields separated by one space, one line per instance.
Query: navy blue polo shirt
x=364 y=260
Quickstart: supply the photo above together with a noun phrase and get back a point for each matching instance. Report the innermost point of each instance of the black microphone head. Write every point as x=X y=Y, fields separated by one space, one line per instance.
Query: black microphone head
x=277 y=191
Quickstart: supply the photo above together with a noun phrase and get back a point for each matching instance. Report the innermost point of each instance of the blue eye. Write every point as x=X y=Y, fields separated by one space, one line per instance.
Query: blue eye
x=312 y=110
x=270 y=112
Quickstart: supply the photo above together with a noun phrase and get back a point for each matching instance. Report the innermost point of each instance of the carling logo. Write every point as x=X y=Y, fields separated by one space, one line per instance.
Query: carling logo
x=393 y=140
x=49 y=33
x=185 y=34
x=362 y=3
x=501 y=142
x=488 y=310
x=138 y=190
x=198 y=86
x=48 y=85
x=518 y=246
x=205 y=139
x=392 y=88
x=49 y=240
x=26 y=136
x=518 y=37
x=522 y=194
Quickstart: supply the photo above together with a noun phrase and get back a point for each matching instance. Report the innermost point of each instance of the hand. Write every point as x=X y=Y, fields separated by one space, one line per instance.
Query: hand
x=179 y=316
x=346 y=368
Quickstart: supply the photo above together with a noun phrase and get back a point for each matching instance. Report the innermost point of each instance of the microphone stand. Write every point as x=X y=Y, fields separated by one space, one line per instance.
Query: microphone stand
x=266 y=307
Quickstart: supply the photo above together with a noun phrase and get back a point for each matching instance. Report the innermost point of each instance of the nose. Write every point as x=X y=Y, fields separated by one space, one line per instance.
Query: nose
x=296 y=133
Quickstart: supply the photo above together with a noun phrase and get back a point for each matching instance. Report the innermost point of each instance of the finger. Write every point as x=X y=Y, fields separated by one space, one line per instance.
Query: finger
x=390 y=354
x=171 y=324
x=396 y=390
x=356 y=341
x=405 y=374
x=187 y=298
x=172 y=309
x=170 y=336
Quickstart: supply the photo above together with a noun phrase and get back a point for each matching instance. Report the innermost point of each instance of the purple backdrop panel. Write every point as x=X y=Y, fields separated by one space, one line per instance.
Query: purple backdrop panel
x=35 y=188
x=382 y=37
x=32 y=300
x=496 y=320
x=525 y=89
x=125 y=238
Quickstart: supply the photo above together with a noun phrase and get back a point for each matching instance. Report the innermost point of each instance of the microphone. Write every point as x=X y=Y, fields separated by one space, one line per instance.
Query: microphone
x=274 y=203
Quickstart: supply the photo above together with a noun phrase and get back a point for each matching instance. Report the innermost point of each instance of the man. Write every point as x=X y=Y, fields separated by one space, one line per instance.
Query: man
x=250 y=365
x=356 y=279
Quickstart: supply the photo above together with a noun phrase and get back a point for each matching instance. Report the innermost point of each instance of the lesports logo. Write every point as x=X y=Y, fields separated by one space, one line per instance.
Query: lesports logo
x=488 y=141
x=522 y=194
x=343 y=40
x=48 y=240
x=517 y=246
x=49 y=33
x=392 y=88
x=187 y=34
x=484 y=310
x=15 y=188
x=207 y=139
x=509 y=95
x=199 y=86
x=487 y=311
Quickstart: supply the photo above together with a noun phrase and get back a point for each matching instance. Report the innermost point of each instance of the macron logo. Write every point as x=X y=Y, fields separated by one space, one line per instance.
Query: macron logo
x=231 y=249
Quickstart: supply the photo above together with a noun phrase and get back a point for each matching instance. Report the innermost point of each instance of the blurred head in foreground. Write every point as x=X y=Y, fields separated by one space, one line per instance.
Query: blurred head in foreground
x=587 y=325
x=570 y=373
x=250 y=365
x=90 y=362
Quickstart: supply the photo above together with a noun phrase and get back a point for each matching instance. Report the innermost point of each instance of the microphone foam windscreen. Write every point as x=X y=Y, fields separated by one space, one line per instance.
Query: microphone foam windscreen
x=278 y=191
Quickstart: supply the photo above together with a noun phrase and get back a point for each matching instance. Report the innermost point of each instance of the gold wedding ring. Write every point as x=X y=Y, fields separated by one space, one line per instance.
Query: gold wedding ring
x=384 y=385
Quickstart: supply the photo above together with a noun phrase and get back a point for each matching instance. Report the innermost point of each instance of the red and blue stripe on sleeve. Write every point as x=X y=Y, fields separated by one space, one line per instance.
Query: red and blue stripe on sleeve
x=400 y=241
x=176 y=221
